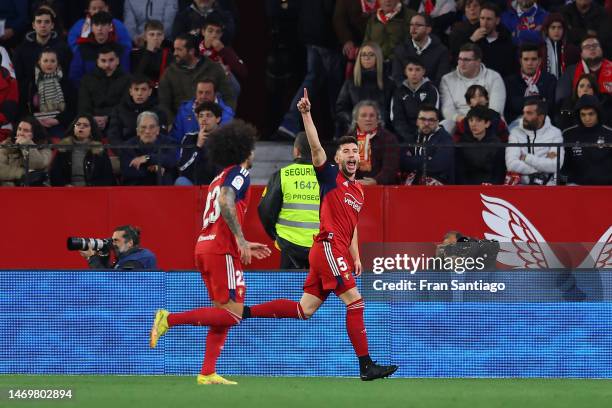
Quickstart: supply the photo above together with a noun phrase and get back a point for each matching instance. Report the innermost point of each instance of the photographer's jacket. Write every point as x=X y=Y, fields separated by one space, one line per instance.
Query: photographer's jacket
x=135 y=258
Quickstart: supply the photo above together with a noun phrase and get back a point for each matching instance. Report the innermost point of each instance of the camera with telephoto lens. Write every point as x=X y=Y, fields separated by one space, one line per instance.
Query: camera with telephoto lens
x=83 y=244
x=468 y=247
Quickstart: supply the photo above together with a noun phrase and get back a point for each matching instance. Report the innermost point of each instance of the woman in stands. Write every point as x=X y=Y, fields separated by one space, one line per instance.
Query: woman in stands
x=82 y=160
x=586 y=85
x=24 y=163
x=368 y=83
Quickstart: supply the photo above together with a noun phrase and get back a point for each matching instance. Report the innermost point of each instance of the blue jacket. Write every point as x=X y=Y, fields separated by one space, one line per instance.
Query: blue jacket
x=186 y=121
x=166 y=158
x=123 y=36
x=143 y=256
x=525 y=28
x=440 y=160
x=84 y=61
x=15 y=12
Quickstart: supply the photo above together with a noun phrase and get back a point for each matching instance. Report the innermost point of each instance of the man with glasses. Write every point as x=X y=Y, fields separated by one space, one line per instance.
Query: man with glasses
x=426 y=47
x=470 y=71
x=591 y=62
x=146 y=162
x=429 y=163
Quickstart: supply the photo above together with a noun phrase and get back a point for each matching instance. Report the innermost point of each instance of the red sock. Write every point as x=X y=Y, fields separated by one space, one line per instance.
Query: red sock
x=356 y=328
x=214 y=345
x=279 y=309
x=204 y=316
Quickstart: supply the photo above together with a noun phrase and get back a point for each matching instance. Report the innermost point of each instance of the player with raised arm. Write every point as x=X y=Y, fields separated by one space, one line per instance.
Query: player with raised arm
x=335 y=245
x=221 y=249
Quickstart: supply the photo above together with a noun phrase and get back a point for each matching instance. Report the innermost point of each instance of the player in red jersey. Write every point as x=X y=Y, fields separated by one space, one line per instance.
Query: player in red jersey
x=221 y=249
x=331 y=268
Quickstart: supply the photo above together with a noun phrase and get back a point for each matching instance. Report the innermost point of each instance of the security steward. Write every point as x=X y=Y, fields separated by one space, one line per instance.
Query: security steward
x=289 y=207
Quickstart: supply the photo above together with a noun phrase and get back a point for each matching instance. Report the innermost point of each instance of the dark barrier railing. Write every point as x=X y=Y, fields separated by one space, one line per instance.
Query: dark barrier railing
x=158 y=149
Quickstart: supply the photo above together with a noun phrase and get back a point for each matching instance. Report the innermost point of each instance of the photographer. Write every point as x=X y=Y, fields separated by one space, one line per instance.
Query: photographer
x=128 y=253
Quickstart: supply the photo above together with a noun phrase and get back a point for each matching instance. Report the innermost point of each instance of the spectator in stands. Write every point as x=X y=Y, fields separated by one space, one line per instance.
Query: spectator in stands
x=583 y=17
x=177 y=83
x=212 y=47
x=378 y=149
x=50 y=96
x=477 y=95
x=524 y=20
x=81 y=31
x=428 y=48
x=27 y=54
x=15 y=16
x=479 y=164
x=122 y=125
x=416 y=90
x=186 y=120
x=586 y=85
x=368 y=82
x=470 y=71
x=531 y=81
x=323 y=62
x=146 y=162
x=389 y=26
x=103 y=89
x=534 y=164
x=190 y=19
x=350 y=20
x=195 y=167
x=81 y=160
x=463 y=30
x=442 y=12
x=9 y=102
x=85 y=55
x=137 y=13
x=557 y=53
x=588 y=165
x=13 y=171
x=5 y=61
x=153 y=58
x=498 y=52
x=440 y=164
x=591 y=62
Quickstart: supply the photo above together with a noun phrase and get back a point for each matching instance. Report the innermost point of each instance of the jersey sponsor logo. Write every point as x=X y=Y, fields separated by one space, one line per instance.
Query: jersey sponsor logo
x=352 y=202
x=238 y=182
x=207 y=237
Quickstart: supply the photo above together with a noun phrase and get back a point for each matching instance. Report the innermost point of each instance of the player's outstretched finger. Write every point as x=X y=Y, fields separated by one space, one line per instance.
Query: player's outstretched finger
x=306 y=93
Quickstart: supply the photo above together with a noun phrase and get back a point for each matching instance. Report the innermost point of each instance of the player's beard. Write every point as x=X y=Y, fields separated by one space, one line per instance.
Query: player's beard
x=349 y=169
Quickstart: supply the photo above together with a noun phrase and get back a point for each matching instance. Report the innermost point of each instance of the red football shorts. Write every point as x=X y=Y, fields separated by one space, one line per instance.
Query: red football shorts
x=223 y=277
x=330 y=271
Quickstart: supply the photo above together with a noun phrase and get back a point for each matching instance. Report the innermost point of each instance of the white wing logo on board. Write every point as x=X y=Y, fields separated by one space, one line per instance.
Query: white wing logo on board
x=523 y=247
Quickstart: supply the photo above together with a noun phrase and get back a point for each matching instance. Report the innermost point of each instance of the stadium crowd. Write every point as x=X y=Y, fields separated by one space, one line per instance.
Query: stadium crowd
x=433 y=90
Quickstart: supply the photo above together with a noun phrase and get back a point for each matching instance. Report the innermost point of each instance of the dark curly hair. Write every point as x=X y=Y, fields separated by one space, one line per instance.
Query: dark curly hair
x=232 y=143
x=96 y=134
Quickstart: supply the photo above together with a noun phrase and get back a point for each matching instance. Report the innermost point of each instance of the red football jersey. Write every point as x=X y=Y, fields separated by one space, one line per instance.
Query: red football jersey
x=341 y=202
x=216 y=237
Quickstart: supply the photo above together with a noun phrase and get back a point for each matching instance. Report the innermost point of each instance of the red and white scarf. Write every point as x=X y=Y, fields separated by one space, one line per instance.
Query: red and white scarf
x=604 y=79
x=365 y=149
x=211 y=53
x=385 y=17
x=532 y=83
x=369 y=6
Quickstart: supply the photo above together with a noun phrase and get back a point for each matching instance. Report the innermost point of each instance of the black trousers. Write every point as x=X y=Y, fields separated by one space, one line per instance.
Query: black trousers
x=293 y=256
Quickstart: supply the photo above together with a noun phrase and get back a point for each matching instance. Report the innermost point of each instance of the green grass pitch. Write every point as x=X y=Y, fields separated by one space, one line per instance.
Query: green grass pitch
x=296 y=392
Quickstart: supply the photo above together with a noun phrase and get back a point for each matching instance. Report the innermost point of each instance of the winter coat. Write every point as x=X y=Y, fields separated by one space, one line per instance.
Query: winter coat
x=435 y=57
x=178 y=85
x=459 y=35
x=191 y=19
x=405 y=108
x=165 y=158
x=454 y=85
x=535 y=156
x=385 y=158
x=479 y=164
x=9 y=98
x=26 y=56
x=440 y=160
x=137 y=12
x=500 y=55
x=314 y=24
x=186 y=121
x=85 y=57
x=527 y=26
x=194 y=162
x=389 y=35
x=15 y=12
x=151 y=64
x=100 y=93
x=96 y=165
x=350 y=95
x=12 y=162
x=122 y=123
x=122 y=35
x=349 y=21
x=515 y=94
x=578 y=24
